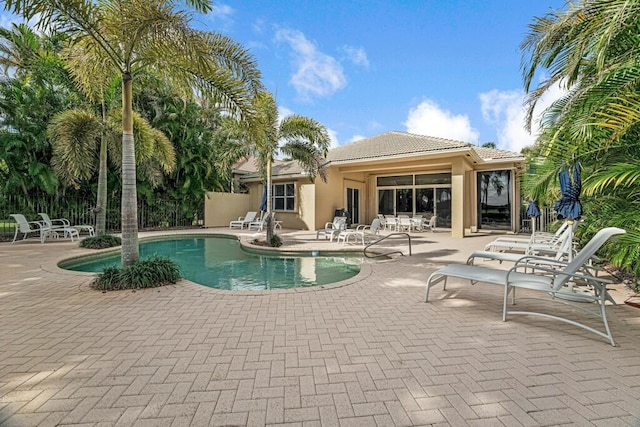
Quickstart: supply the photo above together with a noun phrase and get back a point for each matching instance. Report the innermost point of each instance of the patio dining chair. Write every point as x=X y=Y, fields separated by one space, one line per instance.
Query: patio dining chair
x=548 y=277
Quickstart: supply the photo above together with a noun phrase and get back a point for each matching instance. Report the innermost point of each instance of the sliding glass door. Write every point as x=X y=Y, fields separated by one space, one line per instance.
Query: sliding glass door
x=495 y=198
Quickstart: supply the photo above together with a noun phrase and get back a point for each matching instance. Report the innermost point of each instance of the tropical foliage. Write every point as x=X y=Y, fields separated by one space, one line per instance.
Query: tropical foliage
x=34 y=87
x=121 y=38
x=592 y=50
x=297 y=137
x=147 y=273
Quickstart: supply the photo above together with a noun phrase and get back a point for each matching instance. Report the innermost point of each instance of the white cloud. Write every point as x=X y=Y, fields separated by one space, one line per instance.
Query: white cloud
x=316 y=73
x=224 y=14
x=357 y=55
x=429 y=119
x=355 y=138
x=283 y=112
x=505 y=110
x=333 y=136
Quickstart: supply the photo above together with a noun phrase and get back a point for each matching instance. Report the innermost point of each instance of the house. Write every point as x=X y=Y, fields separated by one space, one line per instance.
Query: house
x=465 y=186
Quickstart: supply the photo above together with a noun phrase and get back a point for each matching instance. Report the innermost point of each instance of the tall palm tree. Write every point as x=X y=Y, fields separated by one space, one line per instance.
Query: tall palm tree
x=81 y=140
x=297 y=137
x=133 y=35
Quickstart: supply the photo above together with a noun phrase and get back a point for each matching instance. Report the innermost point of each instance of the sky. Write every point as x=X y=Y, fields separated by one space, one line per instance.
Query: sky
x=444 y=68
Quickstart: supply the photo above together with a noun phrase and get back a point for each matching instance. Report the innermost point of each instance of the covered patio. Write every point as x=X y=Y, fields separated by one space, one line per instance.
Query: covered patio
x=365 y=352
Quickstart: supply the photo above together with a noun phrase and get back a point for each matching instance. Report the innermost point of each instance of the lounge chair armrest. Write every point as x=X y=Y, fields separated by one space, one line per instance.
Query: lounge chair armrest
x=40 y=224
x=363 y=227
x=62 y=221
x=556 y=272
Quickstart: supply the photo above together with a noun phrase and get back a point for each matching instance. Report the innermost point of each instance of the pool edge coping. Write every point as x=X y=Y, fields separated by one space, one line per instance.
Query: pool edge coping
x=365 y=269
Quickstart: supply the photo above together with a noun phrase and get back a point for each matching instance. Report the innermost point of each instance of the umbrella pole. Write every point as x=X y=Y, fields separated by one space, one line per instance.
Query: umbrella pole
x=570 y=254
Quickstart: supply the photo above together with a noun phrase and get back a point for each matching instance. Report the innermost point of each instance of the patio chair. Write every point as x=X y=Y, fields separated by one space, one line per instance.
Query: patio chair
x=61 y=225
x=550 y=277
x=431 y=225
x=404 y=223
x=391 y=222
x=332 y=228
x=362 y=232
x=244 y=220
x=560 y=250
x=259 y=224
x=537 y=237
x=28 y=228
x=552 y=244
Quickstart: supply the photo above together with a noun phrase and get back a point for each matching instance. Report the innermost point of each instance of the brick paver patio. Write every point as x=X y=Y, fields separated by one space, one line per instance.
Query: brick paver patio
x=367 y=353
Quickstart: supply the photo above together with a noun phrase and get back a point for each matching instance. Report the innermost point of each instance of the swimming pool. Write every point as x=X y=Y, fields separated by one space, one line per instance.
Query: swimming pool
x=221 y=263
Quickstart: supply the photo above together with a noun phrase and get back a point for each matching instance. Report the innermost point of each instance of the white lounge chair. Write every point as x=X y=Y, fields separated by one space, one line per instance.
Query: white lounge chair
x=538 y=237
x=553 y=244
x=244 y=220
x=362 y=232
x=332 y=228
x=60 y=225
x=562 y=249
x=28 y=228
x=534 y=274
x=260 y=223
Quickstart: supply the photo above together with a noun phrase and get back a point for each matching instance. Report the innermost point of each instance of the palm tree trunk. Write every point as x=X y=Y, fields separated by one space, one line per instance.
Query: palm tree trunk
x=130 y=253
x=269 y=204
x=101 y=202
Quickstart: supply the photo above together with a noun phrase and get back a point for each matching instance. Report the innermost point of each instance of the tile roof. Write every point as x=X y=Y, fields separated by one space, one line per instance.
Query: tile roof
x=488 y=154
x=392 y=145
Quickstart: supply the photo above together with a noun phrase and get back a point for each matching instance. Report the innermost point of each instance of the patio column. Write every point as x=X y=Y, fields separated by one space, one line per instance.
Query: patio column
x=457 y=197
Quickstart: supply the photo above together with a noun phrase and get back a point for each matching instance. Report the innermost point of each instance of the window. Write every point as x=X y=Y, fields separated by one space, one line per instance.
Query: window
x=284 y=196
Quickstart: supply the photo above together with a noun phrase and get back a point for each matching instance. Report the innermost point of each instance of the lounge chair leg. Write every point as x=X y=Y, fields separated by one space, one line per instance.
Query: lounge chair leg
x=505 y=302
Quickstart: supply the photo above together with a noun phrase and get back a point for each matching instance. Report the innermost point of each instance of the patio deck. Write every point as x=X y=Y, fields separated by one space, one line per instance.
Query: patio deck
x=369 y=353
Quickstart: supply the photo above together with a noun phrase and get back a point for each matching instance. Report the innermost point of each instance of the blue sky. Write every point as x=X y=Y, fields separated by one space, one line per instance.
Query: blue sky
x=441 y=68
x=434 y=67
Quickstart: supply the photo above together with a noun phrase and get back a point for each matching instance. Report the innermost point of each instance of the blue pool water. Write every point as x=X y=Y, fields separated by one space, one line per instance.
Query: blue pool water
x=221 y=263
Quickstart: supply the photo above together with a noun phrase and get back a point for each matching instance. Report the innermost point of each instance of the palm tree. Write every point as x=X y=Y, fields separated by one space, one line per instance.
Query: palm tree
x=34 y=87
x=591 y=49
x=81 y=139
x=126 y=37
x=297 y=137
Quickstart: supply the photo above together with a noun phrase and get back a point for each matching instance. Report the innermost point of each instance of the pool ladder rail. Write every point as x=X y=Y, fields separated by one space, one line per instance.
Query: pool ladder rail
x=407 y=235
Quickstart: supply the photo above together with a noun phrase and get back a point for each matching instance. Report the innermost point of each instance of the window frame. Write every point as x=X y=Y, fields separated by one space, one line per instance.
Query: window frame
x=284 y=197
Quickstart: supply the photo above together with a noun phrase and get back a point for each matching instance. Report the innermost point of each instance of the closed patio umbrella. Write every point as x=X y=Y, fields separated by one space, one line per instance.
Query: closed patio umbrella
x=533 y=211
x=569 y=206
x=263 y=205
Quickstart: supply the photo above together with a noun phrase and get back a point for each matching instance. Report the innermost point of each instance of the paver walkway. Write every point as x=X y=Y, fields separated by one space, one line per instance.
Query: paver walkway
x=370 y=353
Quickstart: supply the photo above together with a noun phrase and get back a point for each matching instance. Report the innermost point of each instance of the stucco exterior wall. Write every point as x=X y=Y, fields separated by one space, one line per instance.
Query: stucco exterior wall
x=329 y=196
x=221 y=208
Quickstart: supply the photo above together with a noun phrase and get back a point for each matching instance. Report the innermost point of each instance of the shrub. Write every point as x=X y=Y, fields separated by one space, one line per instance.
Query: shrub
x=148 y=273
x=276 y=241
x=101 y=242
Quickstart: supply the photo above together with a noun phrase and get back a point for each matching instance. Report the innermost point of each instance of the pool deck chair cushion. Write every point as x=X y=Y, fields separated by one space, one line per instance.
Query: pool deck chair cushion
x=244 y=220
x=532 y=273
